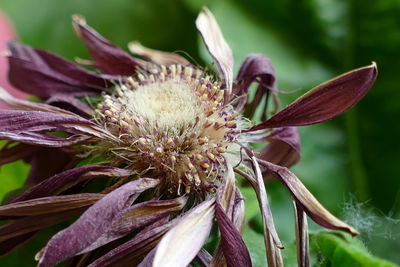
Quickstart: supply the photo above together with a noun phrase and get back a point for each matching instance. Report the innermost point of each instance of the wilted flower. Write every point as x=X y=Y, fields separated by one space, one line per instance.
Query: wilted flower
x=170 y=137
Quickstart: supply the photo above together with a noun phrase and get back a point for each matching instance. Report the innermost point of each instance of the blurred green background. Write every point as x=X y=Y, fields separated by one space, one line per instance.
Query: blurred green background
x=350 y=163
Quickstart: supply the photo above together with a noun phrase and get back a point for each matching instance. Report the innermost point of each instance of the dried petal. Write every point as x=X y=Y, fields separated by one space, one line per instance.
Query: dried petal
x=54 y=183
x=306 y=200
x=182 y=243
x=130 y=253
x=108 y=57
x=156 y=56
x=48 y=205
x=255 y=68
x=44 y=74
x=84 y=232
x=303 y=257
x=232 y=244
x=283 y=148
x=325 y=101
x=137 y=216
x=217 y=46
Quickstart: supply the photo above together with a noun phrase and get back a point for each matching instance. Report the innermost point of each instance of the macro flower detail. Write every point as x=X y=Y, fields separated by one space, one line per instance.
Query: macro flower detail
x=161 y=140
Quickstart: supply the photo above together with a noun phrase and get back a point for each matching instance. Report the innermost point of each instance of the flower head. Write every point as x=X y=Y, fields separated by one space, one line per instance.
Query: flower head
x=169 y=136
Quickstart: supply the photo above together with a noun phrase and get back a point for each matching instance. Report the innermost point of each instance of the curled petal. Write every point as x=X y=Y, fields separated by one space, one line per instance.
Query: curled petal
x=325 y=101
x=306 y=200
x=76 y=175
x=232 y=244
x=283 y=148
x=181 y=244
x=70 y=103
x=303 y=257
x=17 y=152
x=43 y=74
x=158 y=57
x=217 y=46
x=48 y=205
x=84 y=231
x=108 y=57
x=255 y=68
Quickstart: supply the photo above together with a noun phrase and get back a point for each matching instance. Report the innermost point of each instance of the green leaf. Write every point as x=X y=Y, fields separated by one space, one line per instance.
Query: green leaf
x=340 y=249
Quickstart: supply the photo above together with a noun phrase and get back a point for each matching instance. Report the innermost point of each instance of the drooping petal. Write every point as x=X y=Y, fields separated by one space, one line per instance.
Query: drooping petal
x=137 y=216
x=93 y=223
x=303 y=257
x=283 y=148
x=181 y=244
x=255 y=68
x=49 y=186
x=46 y=162
x=306 y=200
x=43 y=74
x=217 y=46
x=156 y=56
x=203 y=258
x=28 y=127
x=12 y=244
x=14 y=153
x=325 y=101
x=232 y=244
x=131 y=252
x=48 y=205
x=107 y=56
x=271 y=239
x=70 y=103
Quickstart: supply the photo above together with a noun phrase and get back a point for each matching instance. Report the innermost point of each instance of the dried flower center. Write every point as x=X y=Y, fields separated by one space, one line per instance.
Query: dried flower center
x=171 y=124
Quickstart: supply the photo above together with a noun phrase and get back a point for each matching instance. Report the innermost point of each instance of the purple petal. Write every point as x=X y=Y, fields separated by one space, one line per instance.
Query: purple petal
x=158 y=57
x=137 y=216
x=26 y=127
x=233 y=246
x=70 y=103
x=84 y=231
x=283 y=148
x=14 y=153
x=203 y=258
x=217 y=46
x=306 y=200
x=43 y=74
x=301 y=236
x=255 y=68
x=108 y=57
x=46 y=162
x=325 y=101
x=54 y=183
x=48 y=205
x=12 y=244
x=180 y=245
x=130 y=252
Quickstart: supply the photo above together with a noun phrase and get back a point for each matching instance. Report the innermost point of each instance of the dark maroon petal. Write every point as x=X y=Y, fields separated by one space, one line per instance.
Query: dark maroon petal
x=43 y=139
x=255 y=68
x=233 y=246
x=283 y=148
x=217 y=46
x=49 y=186
x=137 y=216
x=131 y=252
x=46 y=162
x=107 y=56
x=12 y=244
x=14 y=153
x=70 y=103
x=156 y=56
x=306 y=200
x=44 y=74
x=34 y=223
x=325 y=101
x=93 y=223
x=303 y=257
x=48 y=205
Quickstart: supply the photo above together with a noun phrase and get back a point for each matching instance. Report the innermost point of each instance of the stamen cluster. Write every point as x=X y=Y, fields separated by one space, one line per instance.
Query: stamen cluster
x=173 y=124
